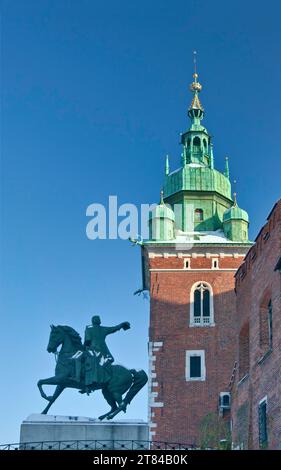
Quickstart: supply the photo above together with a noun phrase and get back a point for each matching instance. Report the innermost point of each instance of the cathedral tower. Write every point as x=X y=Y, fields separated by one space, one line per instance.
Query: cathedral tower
x=198 y=238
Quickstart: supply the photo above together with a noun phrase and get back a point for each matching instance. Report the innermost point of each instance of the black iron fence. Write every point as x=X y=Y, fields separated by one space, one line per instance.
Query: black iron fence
x=97 y=445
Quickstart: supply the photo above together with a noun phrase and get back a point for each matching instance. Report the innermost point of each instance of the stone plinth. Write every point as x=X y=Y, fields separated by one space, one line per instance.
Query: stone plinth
x=69 y=432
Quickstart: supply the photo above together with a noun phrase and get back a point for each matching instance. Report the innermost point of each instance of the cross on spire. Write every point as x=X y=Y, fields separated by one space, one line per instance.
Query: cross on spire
x=195 y=87
x=194 y=61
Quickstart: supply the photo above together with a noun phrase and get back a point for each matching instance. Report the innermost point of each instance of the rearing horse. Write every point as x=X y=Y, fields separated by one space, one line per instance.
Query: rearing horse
x=122 y=380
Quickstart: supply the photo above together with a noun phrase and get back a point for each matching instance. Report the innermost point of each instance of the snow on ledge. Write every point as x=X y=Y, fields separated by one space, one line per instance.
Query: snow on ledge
x=40 y=418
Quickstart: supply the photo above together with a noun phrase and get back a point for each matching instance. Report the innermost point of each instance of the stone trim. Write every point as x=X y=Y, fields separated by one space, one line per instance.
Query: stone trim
x=195 y=255
x=183 y=270
x=153 y=348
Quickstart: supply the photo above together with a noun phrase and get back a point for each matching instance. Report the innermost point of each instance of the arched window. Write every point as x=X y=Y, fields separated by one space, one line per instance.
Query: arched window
x=201 y=305
x=198 y=215
x=196 y=141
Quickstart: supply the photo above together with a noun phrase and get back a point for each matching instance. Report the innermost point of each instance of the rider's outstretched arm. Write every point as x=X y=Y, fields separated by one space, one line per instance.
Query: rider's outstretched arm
x=112 y=329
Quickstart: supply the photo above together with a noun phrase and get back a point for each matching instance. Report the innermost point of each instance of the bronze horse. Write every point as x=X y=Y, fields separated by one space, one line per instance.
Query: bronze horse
x=121 y=380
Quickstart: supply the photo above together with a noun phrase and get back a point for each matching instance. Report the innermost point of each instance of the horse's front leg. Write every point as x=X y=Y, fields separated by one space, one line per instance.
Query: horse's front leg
x=45 y=382
x=55 y=380
x=59 y=389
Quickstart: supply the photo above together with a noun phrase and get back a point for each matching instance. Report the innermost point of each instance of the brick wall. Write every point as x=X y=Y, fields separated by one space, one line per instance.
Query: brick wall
x=178 y=406
x=256 y=284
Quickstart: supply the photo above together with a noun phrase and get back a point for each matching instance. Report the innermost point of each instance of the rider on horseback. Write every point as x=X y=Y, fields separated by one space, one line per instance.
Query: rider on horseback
x=121 y=380
x=98 y=358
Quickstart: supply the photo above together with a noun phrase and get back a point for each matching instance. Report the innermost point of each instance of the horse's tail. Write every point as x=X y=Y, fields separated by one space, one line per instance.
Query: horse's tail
x=139 y=380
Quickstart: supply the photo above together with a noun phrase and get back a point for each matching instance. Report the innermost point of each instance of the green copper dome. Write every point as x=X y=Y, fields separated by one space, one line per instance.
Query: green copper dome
x=235 y=213
x=162 y=211
x=162 y=222
x=197 y=177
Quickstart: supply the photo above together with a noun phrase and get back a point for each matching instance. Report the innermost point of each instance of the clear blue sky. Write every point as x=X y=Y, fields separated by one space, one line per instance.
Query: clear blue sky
x=94 y=94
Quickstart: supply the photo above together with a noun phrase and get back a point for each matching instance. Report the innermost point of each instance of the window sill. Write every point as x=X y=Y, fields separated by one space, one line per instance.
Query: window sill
x=264 y=357
x=201 y=325
x=195 y=379
x=241 y=381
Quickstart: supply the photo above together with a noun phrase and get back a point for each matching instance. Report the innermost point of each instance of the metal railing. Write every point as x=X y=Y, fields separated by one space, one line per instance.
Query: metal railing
x=97 y=445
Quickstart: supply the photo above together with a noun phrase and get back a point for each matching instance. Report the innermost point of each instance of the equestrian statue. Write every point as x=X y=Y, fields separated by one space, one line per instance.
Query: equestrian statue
x=90 y=366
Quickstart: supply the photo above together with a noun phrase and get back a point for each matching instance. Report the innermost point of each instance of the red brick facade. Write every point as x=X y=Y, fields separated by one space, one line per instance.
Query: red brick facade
x=178 y=405
x=258 y=374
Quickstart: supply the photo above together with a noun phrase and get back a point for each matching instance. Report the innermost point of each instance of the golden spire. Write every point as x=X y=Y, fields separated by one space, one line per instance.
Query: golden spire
x=195 y=103
x=195 y=87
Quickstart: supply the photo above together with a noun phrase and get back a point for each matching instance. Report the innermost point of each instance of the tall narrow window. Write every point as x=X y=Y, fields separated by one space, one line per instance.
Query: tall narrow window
x=265 y=315
x=201 y=305
x=263 y=424
x=195 y=367
x=206 y=303
x=197 y=303
x=269 y=315
x=198 y=215
x=187 y=264
x=215 y=263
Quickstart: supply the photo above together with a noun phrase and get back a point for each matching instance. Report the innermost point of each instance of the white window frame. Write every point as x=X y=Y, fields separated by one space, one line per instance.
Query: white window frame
x=186 y=263
x=222 y=394
x=215 y=260
x=264 y=399
x=201 y=321
x=195 y=353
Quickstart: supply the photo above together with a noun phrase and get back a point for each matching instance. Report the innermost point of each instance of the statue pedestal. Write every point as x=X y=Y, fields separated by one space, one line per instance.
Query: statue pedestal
x=74 y=432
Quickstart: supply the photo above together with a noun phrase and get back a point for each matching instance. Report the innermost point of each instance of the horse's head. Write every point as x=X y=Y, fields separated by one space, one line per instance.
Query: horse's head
x=65 y=335
x=55 y=339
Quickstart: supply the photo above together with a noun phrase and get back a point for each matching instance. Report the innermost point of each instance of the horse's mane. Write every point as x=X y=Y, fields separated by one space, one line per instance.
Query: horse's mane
x=76 y=338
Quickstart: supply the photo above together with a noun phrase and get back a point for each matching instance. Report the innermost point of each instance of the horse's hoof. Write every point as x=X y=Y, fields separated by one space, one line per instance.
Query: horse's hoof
x=102 y=417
